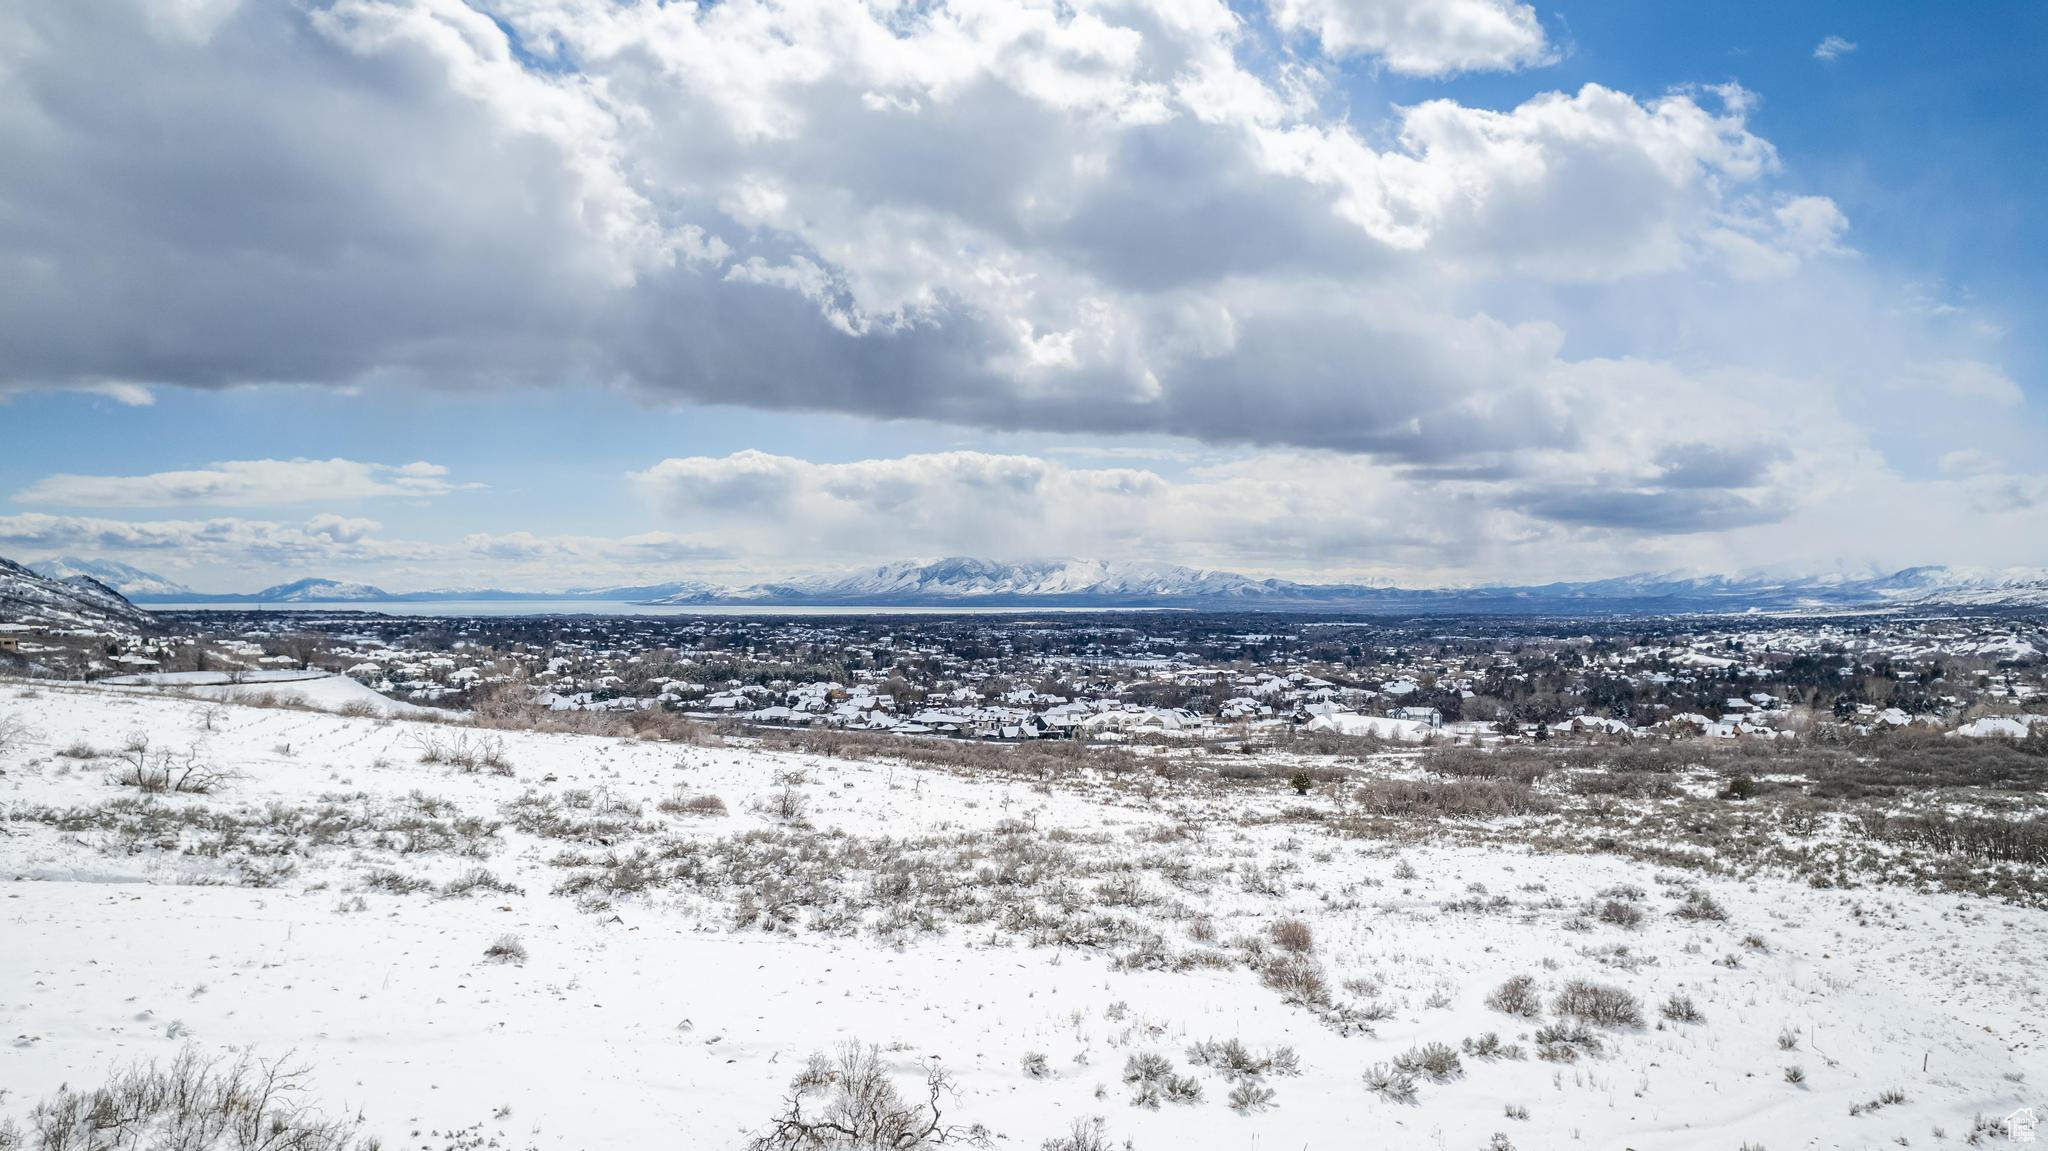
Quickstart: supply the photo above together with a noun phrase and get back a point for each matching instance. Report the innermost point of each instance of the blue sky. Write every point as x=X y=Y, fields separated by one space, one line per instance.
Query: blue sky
x=1435 y=291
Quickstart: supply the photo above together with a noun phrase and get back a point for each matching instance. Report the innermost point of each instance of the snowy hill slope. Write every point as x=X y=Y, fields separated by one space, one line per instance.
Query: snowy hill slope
x=26 y=597
x=332 y=895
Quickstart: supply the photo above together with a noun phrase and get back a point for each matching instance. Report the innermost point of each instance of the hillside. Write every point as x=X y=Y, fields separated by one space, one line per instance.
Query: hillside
x=79 y=601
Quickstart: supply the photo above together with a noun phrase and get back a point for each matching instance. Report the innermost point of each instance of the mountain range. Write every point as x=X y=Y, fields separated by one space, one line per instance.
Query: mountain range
x=962 y=582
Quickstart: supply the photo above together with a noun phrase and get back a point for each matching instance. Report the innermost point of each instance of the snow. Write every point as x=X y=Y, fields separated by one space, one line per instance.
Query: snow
x=658 y=1015
x=1348 y=723
x=322 y=691
x=2009 y=727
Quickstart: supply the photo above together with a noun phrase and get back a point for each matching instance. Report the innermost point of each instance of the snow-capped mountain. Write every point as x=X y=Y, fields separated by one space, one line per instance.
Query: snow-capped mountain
x=320 y=591
x=965 y=582
x=971 y=580
x=132 y=582
x=26 y=597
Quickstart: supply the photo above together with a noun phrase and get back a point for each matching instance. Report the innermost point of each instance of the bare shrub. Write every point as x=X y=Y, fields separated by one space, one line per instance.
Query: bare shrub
x=1681 y=1009
x=1231 y=1058
x=164 y=772
x=680 y=804
x=1516 y=997
x=1390 y=1083
x=1247 y=1097
x=1292 y=935
x=1438 y=1061
x=1699 y=906
x=849 y=1103
x=1152 y=1080
x=1449 y=798
x=506 y=949
x=1489 y=1046
x=465 y=754
x=1090 y=1134
x=477 y=879
x=1036 y=1065
x=192 y=1104
x=1620 y=914
x=14 y=731
x=1564 y=1042
x=786 y=804
x=1298 y=979
x=78 y=749
x=1885 y=1098
x=1598 y=1003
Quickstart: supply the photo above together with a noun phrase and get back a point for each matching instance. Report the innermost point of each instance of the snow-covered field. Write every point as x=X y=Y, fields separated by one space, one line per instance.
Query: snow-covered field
x=681 y=965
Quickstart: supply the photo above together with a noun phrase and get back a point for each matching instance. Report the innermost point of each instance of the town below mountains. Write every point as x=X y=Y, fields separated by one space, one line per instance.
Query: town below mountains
x=967 y=583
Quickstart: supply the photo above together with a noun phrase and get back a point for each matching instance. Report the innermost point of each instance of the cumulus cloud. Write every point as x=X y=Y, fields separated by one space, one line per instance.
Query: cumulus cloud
x=1592 y=310
x=246 y=483
x=1422 y=37
x=1008 y=216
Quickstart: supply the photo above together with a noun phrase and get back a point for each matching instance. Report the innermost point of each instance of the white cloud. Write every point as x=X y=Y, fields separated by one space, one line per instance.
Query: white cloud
x=1422 y=37
x=229 y=542
x=246 y=483
x=1139 y=217
x=1833 y=47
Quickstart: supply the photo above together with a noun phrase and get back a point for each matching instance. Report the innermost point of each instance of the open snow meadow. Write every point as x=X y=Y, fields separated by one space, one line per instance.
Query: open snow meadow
x=355 y=926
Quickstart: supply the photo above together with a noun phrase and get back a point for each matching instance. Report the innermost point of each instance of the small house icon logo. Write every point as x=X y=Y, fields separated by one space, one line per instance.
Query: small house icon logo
x=2019 y=1126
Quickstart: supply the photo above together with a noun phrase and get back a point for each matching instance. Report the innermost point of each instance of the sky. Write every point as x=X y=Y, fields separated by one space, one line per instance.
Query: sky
x=550 y=293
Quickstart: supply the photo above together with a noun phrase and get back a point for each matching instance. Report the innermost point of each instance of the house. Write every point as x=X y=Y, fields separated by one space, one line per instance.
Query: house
x=10 y=643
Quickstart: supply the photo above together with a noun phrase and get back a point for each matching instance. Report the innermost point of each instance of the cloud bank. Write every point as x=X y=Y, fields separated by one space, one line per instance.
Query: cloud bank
x=1589 y=311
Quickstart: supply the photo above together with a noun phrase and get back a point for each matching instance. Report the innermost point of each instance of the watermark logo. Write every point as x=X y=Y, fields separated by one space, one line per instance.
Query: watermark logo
x=2019 y=1126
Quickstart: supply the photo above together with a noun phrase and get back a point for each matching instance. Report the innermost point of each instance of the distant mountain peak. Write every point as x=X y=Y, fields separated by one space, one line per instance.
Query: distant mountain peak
x=123 y=578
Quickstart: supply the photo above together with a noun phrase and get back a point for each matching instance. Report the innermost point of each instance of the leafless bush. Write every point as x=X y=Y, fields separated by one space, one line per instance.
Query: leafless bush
x=1234 y=1060
x=1564 y=1042
x=1618 y=913
x=786 y=804
x=1489 y=1046
x=1292 y=935
x=1090 y=1134
x=13 y=731
x=477 y=879
x=850 y=1104
x=465 y=754
x=1449 y=798
x=1598 y=1003
x=1036 y=1065
x=1390 y=1083
x=1438 y=1061
x=506 y=949
x=1886 y=1098
x=1517 y=997
x=192 y=1104
x=78 y=749
x=1474 y=763
x=1152 y=1080
x=1698 y=905
x=1681 y=1009
x=681 y=804
x=1298 y=979
x=163 y=772
x=1247 y=1096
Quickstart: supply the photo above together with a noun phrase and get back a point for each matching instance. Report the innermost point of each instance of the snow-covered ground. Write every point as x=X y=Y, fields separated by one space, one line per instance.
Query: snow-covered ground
x=921 y=910
x=320 y=690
